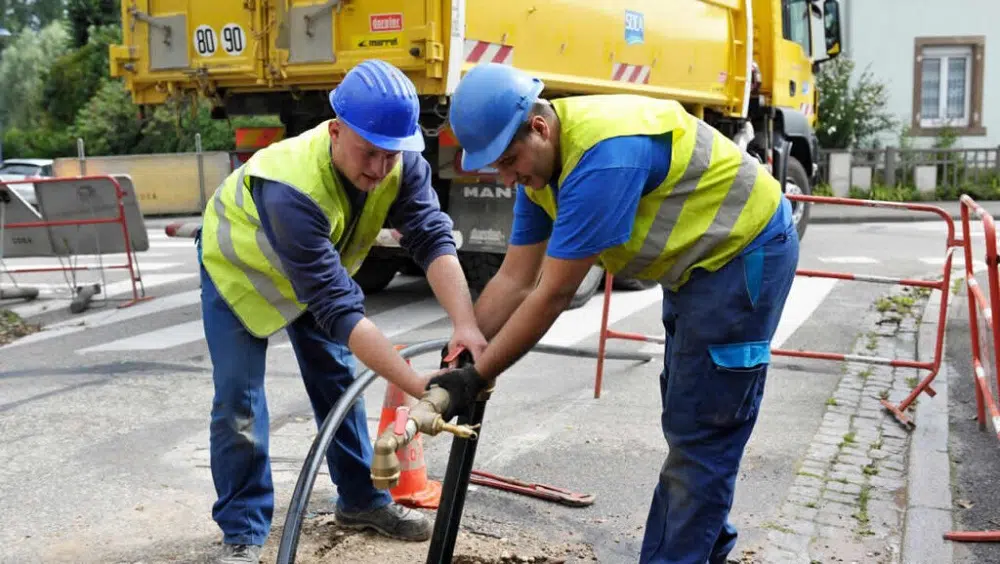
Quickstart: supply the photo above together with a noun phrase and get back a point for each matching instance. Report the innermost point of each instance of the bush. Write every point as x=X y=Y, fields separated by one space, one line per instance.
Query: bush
x=850 y=115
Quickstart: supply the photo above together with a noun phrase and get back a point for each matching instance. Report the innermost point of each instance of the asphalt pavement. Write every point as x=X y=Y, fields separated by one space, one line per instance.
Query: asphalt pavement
x=105 y=414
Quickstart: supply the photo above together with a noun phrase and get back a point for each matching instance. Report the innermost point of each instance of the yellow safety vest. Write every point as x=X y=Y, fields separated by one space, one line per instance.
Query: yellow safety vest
x=236 y=253
x=714 y=200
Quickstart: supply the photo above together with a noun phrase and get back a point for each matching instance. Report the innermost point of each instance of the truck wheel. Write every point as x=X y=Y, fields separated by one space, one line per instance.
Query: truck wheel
x=375 y=274
x=591 y=282
x=797 y=183
x=479 y=268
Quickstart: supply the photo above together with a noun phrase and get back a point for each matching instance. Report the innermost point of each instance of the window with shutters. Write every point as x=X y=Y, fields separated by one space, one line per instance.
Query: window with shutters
x=948 y=85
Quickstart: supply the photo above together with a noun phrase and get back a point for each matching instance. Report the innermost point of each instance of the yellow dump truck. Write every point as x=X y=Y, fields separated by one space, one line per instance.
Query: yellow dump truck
x=745 y=66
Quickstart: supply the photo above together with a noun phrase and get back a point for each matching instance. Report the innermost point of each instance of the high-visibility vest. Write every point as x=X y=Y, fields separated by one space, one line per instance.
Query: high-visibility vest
x=714 y=200
x=236 y=253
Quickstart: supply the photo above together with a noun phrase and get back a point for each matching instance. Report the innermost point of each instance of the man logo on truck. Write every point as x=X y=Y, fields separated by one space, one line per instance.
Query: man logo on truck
x=488 y=192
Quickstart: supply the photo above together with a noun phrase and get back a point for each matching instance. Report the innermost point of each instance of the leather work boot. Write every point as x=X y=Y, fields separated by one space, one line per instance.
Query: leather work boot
x=239 y=554
x=393 y=520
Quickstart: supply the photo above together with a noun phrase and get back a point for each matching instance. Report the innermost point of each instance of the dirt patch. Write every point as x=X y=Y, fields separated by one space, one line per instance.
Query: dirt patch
x=479 y=542
x=12 y=327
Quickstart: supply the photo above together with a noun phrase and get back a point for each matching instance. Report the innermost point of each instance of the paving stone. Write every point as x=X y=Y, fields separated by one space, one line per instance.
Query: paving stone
x=840 y=497
x=791 y=542
x=809 y=492
x=833 y=531
x=853 y=460
x=853 y=489
x=825 y=439
x=849 y=478
x=887 y=483
x=848 y=469
x=808 y=482
x=798 y=511
x=834 y=519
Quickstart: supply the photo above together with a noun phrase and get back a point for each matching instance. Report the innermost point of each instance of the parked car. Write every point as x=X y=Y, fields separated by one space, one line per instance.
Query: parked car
x=20 y=169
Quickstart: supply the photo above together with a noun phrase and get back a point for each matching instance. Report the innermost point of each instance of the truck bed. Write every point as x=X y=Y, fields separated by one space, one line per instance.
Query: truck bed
x=696 y=51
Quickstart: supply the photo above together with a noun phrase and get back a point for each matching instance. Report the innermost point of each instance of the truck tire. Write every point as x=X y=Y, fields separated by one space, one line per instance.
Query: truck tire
x=797 y=183
x=375 y=274
x=481 y=267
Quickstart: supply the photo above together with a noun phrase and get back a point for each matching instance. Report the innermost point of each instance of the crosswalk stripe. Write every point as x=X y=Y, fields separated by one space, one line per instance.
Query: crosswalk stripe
x=172 y=244
x=958 y=261
x=849 y=260
x=116 y=289
x=575 y=325
x=403 y=319
x=141 y=267
x=803 y=299
x=172 y=336
x=109 y=316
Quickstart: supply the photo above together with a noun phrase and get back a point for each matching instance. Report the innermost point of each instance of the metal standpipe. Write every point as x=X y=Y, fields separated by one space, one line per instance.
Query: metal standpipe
x=457 y=475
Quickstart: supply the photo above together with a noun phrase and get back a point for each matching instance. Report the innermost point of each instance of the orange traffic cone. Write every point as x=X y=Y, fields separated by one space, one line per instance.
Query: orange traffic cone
x=414 y=489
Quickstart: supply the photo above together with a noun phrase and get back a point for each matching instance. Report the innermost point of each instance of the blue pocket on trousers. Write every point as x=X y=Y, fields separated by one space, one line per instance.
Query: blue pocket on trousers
x=736 y=382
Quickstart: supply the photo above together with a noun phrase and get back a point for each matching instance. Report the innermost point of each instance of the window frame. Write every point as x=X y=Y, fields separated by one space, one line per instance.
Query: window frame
x=945 y=47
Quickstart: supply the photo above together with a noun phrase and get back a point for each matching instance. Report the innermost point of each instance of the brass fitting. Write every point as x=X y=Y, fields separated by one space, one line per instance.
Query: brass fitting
x=424 y=417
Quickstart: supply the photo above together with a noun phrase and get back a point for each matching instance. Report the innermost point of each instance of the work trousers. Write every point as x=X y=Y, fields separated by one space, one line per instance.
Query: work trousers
x=238 y=442
x=718 y=331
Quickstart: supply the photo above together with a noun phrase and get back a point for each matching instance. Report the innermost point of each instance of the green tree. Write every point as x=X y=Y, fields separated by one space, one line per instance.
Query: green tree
x=76 y=76
x=24 y=69
x=850 y=114
x=86 y=15
x=17 y=15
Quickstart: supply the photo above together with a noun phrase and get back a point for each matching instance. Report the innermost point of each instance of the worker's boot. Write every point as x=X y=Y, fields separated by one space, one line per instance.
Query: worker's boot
x=239 y=554
x=392 y=520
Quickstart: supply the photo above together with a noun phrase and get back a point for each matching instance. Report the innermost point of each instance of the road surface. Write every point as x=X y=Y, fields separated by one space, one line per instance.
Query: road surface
x=105 y=414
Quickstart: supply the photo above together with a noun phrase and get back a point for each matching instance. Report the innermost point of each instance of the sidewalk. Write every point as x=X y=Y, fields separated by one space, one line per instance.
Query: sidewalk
x=869 y=490
x=832 y=213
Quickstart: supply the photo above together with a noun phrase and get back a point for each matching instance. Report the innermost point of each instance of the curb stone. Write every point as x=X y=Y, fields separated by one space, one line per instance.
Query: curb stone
x=928 y=512
x=848 y=502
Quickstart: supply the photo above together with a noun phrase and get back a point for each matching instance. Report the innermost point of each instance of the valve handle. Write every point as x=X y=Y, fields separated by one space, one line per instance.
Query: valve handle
x=402 y=416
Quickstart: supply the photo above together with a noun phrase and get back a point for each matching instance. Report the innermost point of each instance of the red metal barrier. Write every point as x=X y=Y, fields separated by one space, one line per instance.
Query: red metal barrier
x=942 y=285
x=978 y=304
x=119 y=219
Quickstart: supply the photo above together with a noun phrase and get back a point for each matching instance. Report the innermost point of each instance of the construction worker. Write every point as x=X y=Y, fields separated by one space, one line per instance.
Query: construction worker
x=648 y=191
x=282 y=237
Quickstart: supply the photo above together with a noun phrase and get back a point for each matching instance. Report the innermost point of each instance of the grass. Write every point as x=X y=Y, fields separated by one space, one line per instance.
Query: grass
x=12 y=327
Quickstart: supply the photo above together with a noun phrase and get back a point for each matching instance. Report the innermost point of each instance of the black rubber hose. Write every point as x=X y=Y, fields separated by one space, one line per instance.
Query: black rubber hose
x=307 y=478
x=317 y=453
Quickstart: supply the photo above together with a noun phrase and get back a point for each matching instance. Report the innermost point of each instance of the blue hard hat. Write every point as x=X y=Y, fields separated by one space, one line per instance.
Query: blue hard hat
x=380 y=103
x=488 y=106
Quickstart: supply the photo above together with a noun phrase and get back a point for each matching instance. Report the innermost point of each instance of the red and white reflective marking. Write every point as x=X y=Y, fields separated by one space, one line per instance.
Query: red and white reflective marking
x=637 y=74
x=486 y=52
x=807 y=109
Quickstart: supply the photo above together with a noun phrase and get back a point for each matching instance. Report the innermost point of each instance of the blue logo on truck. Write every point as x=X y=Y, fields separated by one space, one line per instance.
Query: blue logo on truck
x=634 y=25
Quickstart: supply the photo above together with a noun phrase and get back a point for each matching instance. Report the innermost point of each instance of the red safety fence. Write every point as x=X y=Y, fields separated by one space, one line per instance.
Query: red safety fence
x=119 y=218
x=984 y=377
x=943 y=285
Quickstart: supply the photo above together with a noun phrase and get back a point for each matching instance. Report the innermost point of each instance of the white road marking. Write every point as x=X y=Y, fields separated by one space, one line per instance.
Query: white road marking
x=849 y=260
x=401 y=320
x=957 y=262
x=114 y=290
x=575 y=325
x=109 y=316
x=803 y=299
x=172 y=336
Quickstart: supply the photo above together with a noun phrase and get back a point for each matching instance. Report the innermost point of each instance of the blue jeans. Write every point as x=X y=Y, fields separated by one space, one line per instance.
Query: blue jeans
x=718 y=331
x=241 y=468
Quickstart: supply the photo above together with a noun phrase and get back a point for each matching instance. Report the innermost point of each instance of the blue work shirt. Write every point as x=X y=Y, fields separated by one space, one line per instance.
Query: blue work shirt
x=598 y=200
x=299 y=232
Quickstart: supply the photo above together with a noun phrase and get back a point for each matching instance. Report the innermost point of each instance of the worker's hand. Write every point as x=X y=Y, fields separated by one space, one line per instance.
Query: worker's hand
x=462 y=385
x=470 y=338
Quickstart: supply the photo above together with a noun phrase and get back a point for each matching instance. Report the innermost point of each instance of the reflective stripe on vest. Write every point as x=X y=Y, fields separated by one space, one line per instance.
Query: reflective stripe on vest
x=237 y=254
x=712 y=203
